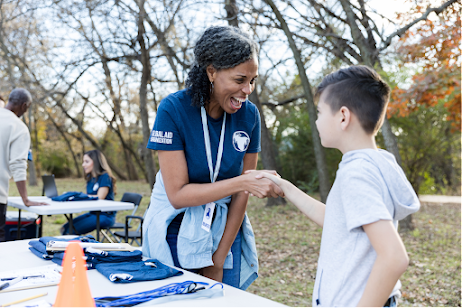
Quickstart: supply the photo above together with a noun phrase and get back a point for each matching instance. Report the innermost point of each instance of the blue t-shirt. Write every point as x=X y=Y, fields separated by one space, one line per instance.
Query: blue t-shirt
x=104 y=180
x=178 y=126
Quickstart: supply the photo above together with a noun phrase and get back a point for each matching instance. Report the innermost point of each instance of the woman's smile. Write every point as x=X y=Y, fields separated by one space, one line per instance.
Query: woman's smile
x=236 y=102
x=231 y=87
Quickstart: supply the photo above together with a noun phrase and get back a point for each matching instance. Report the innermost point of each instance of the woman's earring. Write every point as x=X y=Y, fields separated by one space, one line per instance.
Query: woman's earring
x=211 y=87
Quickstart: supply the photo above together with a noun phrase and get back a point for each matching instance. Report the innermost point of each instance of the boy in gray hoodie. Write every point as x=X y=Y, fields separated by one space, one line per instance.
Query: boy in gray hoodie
x=362 y=255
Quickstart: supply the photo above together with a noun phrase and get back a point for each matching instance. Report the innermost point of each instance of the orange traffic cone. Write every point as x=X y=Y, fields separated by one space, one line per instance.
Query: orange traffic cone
x=73 y=289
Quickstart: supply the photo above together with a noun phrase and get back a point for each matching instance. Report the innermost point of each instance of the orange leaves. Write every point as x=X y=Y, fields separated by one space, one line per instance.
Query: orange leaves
x=433 y=45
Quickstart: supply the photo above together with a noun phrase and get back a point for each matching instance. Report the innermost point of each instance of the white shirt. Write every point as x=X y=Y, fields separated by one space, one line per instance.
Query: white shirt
x=14 y=147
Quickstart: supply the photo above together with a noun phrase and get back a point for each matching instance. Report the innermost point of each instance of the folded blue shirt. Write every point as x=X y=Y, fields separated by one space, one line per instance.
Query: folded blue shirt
x=40 y=254
x=95 y=256
x=113 y=256
x=74 y=196
x=41 y=244
x=124 y=272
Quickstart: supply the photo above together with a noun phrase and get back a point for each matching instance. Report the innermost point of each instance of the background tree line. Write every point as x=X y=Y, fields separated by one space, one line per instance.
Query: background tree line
x=98 y=70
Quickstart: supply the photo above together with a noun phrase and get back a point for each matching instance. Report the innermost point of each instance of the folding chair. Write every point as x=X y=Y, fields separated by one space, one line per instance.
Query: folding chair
x=49 y=186
x=127 y=197
x=133 y=235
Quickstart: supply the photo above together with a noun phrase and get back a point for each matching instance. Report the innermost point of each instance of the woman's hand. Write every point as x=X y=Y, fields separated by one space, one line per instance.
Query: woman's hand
x=213 y=272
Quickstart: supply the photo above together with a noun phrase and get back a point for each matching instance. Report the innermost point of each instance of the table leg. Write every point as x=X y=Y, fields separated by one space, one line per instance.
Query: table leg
x=71 y=225
x=40 y=226
x=18 y=233
x=97 y=225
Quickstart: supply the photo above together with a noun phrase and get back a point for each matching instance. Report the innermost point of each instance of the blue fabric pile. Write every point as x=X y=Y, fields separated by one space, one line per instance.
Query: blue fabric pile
x=93 y=257
x=117 y=266
x=39 y=247
x=124 y=272
x=74 y=196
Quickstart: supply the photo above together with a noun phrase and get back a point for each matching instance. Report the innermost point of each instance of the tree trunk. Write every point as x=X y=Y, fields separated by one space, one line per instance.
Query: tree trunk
x=231 y=13
x=68 y=143
x=145 y=77
x=32 y=173
x=36 y=143
x=406 y=224
x=390 y=140
x=267 y=151
x=324 y=185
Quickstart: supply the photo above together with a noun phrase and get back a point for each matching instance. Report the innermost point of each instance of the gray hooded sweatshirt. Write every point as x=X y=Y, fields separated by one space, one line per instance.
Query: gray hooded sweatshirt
x=369 y=186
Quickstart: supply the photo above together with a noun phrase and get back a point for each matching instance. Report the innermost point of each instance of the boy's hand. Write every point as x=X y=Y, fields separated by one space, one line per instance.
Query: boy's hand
x=276 y=178
x=263 y=188
x=273 y=172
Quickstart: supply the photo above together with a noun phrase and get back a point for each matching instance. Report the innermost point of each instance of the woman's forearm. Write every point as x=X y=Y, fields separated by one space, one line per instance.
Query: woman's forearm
x=197 y=194
x=181 y=193
x=236 y=213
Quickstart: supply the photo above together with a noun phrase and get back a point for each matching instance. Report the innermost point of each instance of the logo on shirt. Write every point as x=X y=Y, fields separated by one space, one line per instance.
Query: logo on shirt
x=159 y=136
x=95 y=187
x=241 y=141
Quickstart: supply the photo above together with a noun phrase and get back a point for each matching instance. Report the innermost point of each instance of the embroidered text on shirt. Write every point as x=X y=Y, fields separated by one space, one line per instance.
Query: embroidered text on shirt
x=159 y=136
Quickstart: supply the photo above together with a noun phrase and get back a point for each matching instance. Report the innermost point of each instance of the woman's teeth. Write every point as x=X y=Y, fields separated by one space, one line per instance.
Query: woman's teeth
x=237 y=102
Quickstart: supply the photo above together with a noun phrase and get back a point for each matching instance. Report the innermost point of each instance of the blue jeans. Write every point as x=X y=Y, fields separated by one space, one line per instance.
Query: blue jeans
x=2 y=222
x=86 y=223
x=230 y=276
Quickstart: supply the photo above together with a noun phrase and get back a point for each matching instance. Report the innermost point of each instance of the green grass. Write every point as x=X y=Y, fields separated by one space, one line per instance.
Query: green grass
x=288 y=248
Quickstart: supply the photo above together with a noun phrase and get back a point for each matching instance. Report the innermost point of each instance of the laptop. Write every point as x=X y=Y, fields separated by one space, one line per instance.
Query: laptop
x=49 y=186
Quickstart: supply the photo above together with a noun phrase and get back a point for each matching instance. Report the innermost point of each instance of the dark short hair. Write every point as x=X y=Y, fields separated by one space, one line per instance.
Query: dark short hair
x=361 y=90
x=19 y=96
x=222 y=47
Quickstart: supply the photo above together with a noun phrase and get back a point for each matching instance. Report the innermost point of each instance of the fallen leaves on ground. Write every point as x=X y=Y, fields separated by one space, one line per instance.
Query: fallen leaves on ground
x=288 y=247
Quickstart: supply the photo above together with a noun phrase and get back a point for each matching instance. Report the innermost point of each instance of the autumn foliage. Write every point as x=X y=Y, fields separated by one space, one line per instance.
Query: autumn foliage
x=433 y=46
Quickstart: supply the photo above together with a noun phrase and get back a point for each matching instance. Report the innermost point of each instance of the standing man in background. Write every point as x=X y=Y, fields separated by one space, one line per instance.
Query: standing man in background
x=14 y=147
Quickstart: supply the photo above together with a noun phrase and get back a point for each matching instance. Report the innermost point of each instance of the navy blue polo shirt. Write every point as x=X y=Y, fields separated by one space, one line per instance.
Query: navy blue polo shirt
x=178 y=126
x=104 y=180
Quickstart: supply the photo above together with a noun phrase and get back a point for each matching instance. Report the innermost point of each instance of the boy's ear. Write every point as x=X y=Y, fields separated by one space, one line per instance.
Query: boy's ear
x=345 y=116
x=211 y=72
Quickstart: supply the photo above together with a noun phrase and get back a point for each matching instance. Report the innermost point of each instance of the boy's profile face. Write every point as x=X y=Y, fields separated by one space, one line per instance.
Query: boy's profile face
x=327 y=123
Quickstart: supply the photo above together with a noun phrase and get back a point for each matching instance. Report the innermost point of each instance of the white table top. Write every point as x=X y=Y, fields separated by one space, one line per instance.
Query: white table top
x=69 y=207
x=16 y=255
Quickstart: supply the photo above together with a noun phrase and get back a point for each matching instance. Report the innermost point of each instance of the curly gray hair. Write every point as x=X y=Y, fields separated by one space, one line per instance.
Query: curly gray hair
x=19 y=96
x=222 y=47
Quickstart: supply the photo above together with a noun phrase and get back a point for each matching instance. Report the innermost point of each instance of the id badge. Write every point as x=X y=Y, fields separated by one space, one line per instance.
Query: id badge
x=208 y=215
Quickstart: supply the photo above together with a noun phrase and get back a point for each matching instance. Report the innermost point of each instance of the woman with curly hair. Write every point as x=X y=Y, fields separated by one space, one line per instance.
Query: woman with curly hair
x=207 y=136
x=100 y=183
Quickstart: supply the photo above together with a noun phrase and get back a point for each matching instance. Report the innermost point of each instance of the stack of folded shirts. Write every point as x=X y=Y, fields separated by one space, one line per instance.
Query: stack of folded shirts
x=92 y=256
x=39 y=247
x=117 y=266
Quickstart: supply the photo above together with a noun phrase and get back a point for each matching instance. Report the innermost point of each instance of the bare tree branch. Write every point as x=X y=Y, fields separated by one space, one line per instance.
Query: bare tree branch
x=424 y=16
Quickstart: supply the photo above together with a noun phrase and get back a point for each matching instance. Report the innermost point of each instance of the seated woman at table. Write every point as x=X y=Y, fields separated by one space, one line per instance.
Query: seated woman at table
x=100 y=183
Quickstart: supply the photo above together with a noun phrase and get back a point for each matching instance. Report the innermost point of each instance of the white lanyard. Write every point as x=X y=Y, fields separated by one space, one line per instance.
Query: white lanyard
x=213 y=174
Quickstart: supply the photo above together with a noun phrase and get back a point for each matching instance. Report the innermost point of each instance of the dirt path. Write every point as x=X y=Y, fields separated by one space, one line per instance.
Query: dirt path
x=440 y=199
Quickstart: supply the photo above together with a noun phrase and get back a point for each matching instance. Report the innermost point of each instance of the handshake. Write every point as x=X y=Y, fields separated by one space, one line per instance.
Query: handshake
x=263 y=183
